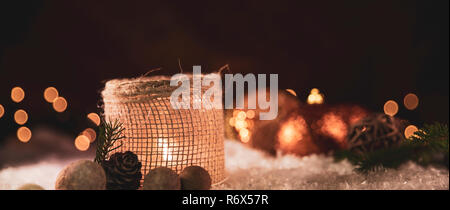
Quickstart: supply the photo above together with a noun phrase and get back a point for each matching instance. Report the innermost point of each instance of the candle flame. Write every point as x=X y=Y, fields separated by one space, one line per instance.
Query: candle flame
x=166 y=151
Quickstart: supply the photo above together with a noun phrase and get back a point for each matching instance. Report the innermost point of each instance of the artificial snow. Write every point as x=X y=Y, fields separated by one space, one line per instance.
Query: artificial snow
x=251 y=169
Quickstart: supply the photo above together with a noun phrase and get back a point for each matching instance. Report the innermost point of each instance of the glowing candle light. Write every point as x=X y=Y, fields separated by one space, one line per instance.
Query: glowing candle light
x=94 y=118
x=50 y=94
x=2 y=111
x=166 y=151
x=24 y=134
x=82 y=143
x=20 y=116
x=60 y=104
x=411 y=101
x=17 y=94
x=390 y=108
x=410 y=130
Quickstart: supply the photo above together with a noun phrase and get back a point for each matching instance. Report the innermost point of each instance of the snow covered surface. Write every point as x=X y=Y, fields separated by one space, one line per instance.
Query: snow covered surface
x=251 y=169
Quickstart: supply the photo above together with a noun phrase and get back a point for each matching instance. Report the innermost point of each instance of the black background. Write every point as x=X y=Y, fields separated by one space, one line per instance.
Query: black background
x=289 y=199
x=363 y=52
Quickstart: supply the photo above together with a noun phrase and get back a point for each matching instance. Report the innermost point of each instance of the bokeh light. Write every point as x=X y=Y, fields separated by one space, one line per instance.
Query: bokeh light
x=292 y=131
x=390 y=108
x=315 y=97
x=244 y=134
x=240 y=124
x=82 y=143
x=17 y=94
x=90 y=133
x=410 y=130
x=334 y=126
x=50 y=94
x=20 y=117
x=250 y=114
x=94 y=118
x=2 y=111
x=232 y=121
x=292 y=92
x=24 y=134
x=411 y=101
x=60 y=104
x=241 y=115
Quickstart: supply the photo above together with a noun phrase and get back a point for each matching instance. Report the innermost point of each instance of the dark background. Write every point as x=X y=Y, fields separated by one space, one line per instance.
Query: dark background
x=362 y=52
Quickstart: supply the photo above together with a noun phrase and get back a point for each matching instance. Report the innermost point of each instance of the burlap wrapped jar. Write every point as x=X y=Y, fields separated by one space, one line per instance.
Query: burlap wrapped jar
x=161 y=135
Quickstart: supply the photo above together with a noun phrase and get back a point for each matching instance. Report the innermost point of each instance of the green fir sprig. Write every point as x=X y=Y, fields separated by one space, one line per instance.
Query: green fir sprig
x=109 y=133
x=429 y=145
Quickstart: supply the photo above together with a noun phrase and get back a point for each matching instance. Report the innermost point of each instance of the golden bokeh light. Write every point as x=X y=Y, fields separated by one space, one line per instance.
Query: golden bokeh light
x=82 y=143
x=231 y=121
x=315 y=97
x=24 y=134
x=50 y=94
x=2 y=111
x=410 y=130
x=390 y=108
x=292 y=131
x=240 y=124
x=292 y=92
x=245 y=135
x=250 y=114
x=245 y=139
x=334 y=126
x=17 y=94
x=241 y=115
x=20 y=117
x=94 y=118
x=411 y=101
x=60 y=104
x=90 y=133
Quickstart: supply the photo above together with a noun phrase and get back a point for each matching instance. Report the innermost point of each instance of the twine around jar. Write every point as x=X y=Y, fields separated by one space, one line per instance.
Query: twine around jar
x=160 y=135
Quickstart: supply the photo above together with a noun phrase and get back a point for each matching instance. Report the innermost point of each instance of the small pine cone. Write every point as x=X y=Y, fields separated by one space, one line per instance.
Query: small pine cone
x=123 y=171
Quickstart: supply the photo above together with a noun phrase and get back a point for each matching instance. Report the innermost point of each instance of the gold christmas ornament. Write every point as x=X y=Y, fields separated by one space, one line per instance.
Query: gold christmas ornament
x=81 y=175
x=160 y=135
x=195 y=178
x=162 y=178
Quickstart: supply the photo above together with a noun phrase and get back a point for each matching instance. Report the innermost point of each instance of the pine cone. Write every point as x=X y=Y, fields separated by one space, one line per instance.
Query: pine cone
x=123 y=171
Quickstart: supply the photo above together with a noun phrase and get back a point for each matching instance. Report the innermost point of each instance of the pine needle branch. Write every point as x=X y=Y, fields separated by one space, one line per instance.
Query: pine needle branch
x=429 y=145
x=109 y=133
